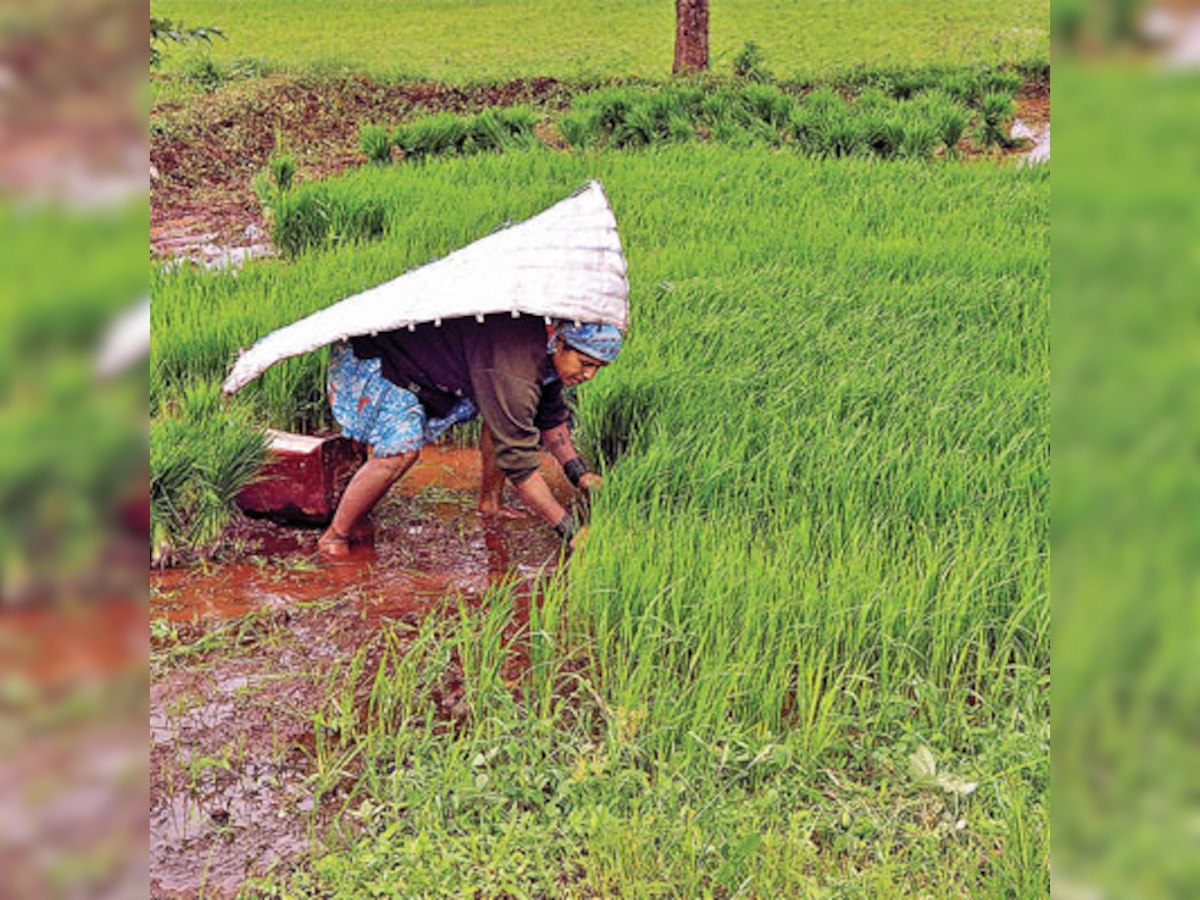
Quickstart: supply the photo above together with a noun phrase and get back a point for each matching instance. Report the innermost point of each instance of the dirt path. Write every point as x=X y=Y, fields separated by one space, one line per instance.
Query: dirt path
x=244 y=653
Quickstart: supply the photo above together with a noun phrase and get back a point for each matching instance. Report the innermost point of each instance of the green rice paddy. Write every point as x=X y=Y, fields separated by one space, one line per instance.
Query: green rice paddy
x=806 y=649
x=484 y=40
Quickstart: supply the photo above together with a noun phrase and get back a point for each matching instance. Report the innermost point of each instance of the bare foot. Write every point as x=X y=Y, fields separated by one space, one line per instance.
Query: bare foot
x=501 y=511
x=333 y=545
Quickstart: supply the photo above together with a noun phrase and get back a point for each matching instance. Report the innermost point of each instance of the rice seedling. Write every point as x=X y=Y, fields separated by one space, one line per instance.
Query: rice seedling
x=995 y=113
x=594 y=117
x=376 y=143
x=442 y=134
x=311 y=217
x=202 y=453
x=769 y=104
x=873 y=101
x=446 y=134
x=637 y=117
x=882 y=134
x=508 y=128
x=821 y=546
x=948 y=116
x=920 y=140
x=1000 y=81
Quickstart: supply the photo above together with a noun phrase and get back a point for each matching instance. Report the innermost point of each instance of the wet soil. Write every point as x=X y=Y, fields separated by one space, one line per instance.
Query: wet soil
x=72 y=746
x=243 y=653
x=205 y=153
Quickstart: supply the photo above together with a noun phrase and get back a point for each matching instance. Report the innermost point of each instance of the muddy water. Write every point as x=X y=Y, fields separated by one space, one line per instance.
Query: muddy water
x=242 y=654
x=1031 y=128
x=185 y=238
x=72 y=748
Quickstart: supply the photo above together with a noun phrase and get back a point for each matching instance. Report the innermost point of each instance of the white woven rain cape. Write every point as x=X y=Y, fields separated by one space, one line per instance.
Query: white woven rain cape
x=564 y=263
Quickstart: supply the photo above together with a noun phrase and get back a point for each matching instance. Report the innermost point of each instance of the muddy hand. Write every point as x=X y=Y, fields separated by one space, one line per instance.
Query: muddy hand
x=578 y=540
x=591 y=483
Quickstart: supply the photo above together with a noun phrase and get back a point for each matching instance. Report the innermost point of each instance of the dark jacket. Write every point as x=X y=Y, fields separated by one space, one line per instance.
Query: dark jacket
x=500 y=363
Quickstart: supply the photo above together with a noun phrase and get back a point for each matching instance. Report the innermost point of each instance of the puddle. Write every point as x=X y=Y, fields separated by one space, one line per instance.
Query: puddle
x=179 y=241
x=1038 y=135
x=231 y=728
x=55 y=648
x=1032 y=126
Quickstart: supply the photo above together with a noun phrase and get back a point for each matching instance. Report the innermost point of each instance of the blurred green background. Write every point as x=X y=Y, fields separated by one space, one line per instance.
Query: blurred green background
x=1126 y=487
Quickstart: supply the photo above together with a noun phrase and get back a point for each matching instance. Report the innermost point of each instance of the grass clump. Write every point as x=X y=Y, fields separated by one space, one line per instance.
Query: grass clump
x=996 y=111
x=202 y=453
x=311 y=217
x=446 y=134
x=376 y=144
x=750 y=63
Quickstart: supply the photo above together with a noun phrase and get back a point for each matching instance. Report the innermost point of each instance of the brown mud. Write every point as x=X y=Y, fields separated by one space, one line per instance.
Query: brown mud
x=243 y=654
x=205 y=153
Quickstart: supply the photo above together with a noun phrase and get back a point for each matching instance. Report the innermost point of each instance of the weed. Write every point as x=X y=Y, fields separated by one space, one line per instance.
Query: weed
x=750 y=63
x=205 y=74
x=283 y=170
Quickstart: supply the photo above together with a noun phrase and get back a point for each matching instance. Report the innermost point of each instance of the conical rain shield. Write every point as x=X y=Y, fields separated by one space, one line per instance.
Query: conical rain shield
x=564 y=263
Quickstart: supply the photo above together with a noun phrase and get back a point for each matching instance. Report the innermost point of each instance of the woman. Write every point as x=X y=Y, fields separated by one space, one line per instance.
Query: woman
x=399 y=390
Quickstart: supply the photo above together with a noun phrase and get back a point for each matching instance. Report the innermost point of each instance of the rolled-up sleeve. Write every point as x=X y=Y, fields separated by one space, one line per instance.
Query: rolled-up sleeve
x=509 y=407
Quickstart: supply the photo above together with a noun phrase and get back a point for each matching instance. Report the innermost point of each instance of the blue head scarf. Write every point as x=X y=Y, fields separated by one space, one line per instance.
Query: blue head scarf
x=602 y=342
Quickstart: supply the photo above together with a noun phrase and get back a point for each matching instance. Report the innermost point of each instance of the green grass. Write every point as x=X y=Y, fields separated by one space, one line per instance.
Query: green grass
x=202 y=452
x=70 y=446
x=1126 y=486
x=485 y=40
x=819 y=561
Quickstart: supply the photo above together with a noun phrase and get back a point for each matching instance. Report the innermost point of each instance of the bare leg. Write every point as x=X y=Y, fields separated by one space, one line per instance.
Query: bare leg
x=368 y=485
x=491 y=481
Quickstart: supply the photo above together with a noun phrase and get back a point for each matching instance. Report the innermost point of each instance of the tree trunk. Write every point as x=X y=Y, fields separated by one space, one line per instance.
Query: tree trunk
x=691 y=36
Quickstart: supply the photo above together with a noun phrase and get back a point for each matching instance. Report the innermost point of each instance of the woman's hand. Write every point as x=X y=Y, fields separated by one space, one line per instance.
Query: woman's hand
x=591 y=483
x=579 y=540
